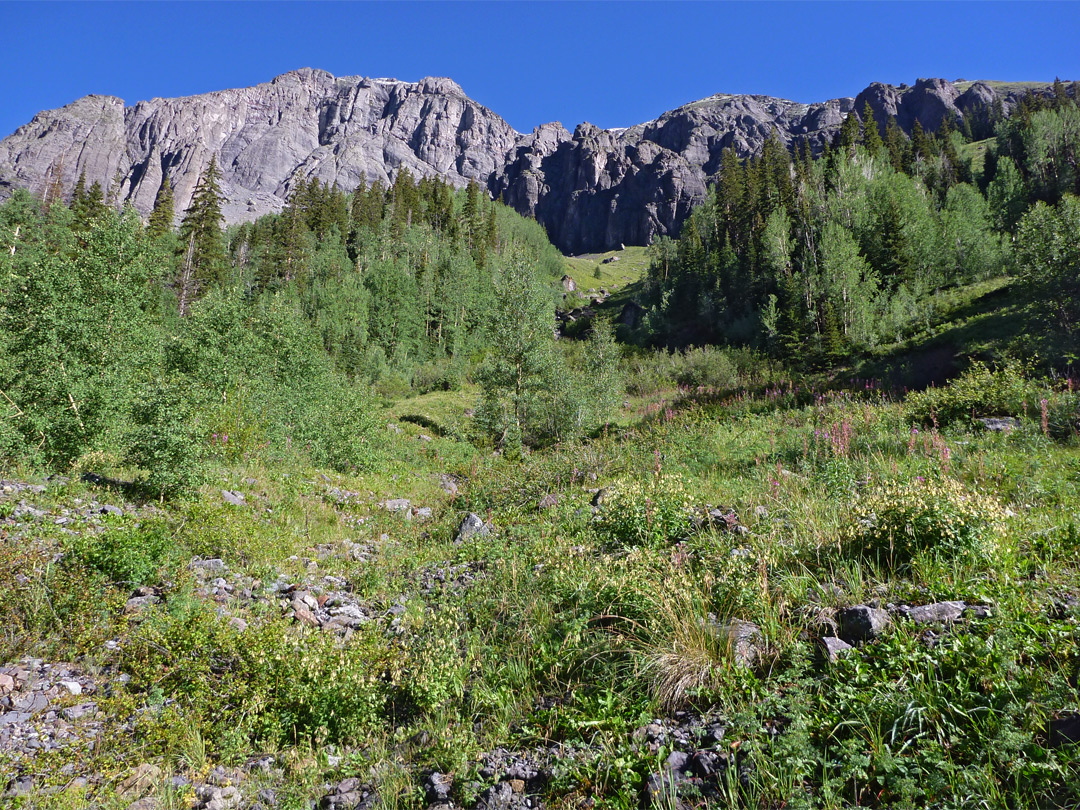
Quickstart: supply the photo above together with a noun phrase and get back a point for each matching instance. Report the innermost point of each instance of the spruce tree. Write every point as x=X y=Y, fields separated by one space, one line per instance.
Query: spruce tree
x=201 y=239
x=871 y=137
x=161 y=218
x=849 y=134
x=78 y=195
x=897 y=144
x=86 y=205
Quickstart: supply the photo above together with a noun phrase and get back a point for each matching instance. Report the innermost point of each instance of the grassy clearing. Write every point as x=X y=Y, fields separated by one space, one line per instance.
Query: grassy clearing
x=630 y=266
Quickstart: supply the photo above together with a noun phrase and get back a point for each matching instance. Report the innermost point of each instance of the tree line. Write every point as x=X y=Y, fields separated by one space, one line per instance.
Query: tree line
x=154 y=346
x=819 y=258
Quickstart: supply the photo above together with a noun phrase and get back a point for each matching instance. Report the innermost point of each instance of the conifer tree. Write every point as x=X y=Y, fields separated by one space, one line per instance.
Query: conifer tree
x=871 y=137
x=86 y=205
x=161 y=218
x=201 y=239
x=849 y=134
x=921 y=143
x=897 y=144
x=78 y=194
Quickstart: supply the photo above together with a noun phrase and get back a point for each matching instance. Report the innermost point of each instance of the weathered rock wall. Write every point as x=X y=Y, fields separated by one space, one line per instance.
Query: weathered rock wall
x=592 y=189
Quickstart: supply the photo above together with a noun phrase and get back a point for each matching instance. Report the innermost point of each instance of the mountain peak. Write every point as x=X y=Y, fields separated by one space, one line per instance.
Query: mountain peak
x=592 y=190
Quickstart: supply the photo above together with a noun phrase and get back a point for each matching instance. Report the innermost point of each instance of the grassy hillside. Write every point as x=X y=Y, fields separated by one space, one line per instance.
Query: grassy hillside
x=757 y=596
x=590 y=272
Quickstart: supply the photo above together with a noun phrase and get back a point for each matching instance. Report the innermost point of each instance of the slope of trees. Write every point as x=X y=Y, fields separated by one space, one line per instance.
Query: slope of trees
x=144 y=346
x=819 y=259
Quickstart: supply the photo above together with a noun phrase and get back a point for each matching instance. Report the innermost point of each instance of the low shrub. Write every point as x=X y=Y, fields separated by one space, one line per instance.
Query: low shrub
x=647 y=513
x=708 y=367
x=285 y=685
x=979 y=391
x=130 y=555
x=894 y=523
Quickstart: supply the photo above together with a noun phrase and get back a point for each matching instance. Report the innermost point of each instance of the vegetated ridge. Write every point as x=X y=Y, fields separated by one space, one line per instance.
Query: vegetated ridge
x=593 y=189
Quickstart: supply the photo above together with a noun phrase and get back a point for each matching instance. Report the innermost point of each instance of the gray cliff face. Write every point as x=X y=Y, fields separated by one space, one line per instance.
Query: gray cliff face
x=592 y=189
x=598 y=188
x=303 y=124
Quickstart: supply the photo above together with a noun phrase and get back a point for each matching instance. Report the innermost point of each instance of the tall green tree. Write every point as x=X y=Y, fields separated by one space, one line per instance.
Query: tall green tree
x=161 y=218
x=203 y=248
x=871 y=135
x=522 y=368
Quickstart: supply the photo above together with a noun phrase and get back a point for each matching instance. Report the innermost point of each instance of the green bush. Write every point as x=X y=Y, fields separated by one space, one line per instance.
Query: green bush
x=430 y=670
x=165 y=441
x=284 y=686
x=979 y=391
x=894 y=523
x=129 y=555
x=708 y=367
x=648 y=513
x=336 y=426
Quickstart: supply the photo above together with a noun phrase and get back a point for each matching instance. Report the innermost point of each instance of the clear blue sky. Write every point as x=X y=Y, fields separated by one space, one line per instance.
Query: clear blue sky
x=611 y=63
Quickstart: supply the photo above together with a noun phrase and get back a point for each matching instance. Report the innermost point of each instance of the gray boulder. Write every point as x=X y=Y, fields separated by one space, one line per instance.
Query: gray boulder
x=937 y=613
x=832 y=648
x=862 y=623
x=471 y=526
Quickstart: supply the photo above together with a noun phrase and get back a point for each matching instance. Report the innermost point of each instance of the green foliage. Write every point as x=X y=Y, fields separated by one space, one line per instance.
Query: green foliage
x=200 y=242
x=127 y=554
x=517 y=377
x=646 y=513
x=1048 y=253
x=979 y=391
x=431 y=670
x=718 y=369
x=894 y=523
x=166 y=440
x=161 y=218
x=78 y=331
x=845 y=258
x=290 y=687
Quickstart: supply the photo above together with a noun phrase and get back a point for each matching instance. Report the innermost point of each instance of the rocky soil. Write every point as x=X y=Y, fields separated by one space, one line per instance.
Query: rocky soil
x=51 y=709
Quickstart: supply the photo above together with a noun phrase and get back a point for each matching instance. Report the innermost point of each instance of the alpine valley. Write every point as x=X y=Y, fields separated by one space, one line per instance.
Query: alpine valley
x=358 y=452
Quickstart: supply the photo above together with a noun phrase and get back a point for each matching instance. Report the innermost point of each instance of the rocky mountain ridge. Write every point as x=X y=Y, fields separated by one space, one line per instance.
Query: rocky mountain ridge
x=592 y=189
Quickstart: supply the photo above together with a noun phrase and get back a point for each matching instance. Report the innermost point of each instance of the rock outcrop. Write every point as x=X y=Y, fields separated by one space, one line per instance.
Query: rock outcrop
x=593 y=190
x=303 y=124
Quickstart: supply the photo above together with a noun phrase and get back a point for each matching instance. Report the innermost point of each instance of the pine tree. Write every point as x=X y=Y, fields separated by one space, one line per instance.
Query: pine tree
x=921 y=143
x=78 y=195
x=161 y=218
x=871 y=137
x=897 y=144
x=88 y=206
x=201 y=238
x=848 y=135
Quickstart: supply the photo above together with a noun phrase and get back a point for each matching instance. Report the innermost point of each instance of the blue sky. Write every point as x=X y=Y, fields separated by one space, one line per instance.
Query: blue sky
x=611 y=63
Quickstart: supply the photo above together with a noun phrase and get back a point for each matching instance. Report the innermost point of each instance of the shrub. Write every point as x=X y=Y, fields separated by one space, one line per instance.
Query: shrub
x=979 y=391
x=648 y=513
x=284 y=686
x=165 y=441
x=896 y=522
x=429 y=670
x=127 y=554
x=708 y=367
